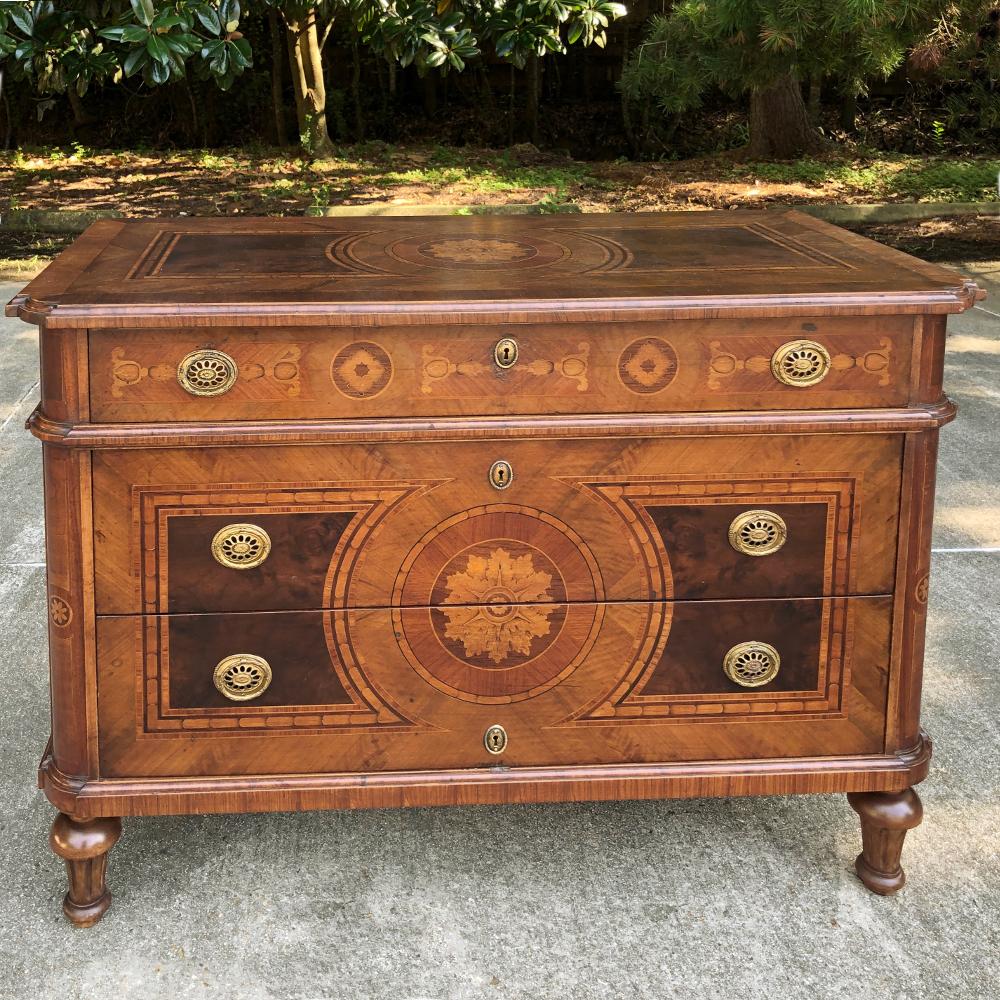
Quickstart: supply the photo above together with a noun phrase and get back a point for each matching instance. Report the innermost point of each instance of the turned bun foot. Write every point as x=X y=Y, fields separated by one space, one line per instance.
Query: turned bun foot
x=84 y=845
x=885 y=818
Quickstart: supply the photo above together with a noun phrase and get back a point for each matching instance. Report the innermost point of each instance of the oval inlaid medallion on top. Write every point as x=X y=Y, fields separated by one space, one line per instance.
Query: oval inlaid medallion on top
x=478 y=253
x=361 y=370
x=499 y=604
x=647 y=365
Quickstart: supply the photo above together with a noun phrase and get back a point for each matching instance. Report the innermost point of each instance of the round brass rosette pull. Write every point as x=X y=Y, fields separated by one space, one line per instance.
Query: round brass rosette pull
x=752 y=664
x=501 y=475
x=505 y=352
x=241 y=546
x=757 y=532
x=242 y=676
x=800 y=363
x=207 y=373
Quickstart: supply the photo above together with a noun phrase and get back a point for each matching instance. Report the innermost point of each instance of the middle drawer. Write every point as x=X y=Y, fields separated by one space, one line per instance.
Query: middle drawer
x=422 y=524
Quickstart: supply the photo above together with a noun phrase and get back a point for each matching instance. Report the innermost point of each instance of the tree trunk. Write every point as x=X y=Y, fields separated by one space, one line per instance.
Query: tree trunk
x=277 y=78
x=510 y=110
x=306 y=59
x=80 y=117
x=533 y=89
x=779 y=123
x=430 y=95
x=359 y=114
x=848 y=112
x=815 y=97
x=8 y=131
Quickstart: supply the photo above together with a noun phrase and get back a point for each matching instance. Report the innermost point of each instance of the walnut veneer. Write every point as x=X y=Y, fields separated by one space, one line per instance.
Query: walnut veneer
x=371 y=512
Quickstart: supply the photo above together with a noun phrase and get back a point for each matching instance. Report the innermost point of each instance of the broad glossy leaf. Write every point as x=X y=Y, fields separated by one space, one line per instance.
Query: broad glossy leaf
x=132 y=33
x=144 y=11
x=159 y=71
x=134 y=61
x=157 y=48
x=210 y=19
x=237 y=56
x=23 y=19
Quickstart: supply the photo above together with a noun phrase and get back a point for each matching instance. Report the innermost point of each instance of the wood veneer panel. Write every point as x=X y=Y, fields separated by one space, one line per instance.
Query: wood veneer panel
x=572 y=684
x=603 y=520
x=353 y=270
x=625 y=368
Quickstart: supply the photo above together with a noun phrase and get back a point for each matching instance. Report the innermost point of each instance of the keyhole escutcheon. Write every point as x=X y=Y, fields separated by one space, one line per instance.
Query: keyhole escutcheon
x=501 y=475
x=495 y=739
x=505 y=352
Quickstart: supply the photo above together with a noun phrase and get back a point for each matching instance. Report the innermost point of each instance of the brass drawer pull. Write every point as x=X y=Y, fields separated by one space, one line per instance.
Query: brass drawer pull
x=752 y=664
x=207 y=373
x=800 y=363
x=505 y=352
x=757 y=532
x=495 y=740
x=501 y=475
x=242 y=676
x=241 y=546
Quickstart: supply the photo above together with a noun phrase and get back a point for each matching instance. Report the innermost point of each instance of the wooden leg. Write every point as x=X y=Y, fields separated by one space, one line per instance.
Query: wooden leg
x=885 y=818
x=84 y=845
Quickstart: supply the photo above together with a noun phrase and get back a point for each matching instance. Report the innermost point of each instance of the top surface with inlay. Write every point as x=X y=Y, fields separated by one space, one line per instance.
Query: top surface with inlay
x=391 y=265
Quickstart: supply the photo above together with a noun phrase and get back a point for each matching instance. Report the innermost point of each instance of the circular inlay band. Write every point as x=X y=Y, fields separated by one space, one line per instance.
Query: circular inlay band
x=361 y=370
x=648 y=365
x=498 y=606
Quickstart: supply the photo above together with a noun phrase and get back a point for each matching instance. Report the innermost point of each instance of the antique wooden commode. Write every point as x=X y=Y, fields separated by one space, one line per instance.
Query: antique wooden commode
x=384 y=512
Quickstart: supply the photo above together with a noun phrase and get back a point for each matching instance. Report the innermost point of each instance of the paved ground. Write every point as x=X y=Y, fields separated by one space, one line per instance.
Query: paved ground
x=702 y=899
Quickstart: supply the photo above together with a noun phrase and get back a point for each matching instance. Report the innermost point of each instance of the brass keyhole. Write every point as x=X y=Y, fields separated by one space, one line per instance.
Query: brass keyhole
x=495 y=739
x=505 y=352
x=501 y=475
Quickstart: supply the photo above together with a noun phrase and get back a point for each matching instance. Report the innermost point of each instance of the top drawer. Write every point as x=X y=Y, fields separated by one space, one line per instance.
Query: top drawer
x=311 y=373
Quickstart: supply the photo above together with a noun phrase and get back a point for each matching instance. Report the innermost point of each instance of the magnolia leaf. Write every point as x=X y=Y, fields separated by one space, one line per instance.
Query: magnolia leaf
x=157 y=48
x=144 y=11
x=210 y=19
x=23 y=19
x=134 y=61
x=134 y=33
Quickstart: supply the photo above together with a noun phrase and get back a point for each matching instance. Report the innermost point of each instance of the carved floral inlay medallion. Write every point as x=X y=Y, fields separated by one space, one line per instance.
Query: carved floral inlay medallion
x=361 y=370
x=478 y=250
x=648 y=365
x=60 y=612
x=494 y=619
x=497 y=604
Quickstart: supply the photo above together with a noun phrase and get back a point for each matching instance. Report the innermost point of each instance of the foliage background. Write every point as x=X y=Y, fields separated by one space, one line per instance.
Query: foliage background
x=944 y=98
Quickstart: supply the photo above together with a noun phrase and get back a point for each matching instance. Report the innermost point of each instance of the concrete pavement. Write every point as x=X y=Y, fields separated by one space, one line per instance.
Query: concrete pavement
x=744 y=898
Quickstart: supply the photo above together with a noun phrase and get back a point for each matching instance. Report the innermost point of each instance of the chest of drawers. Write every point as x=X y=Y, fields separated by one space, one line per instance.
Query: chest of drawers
x=370 y=512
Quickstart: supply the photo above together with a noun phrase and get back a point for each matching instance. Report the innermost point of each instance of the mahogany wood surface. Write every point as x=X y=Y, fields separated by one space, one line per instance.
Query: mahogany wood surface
x=405 y=604
x=885 y=819
x=173 y=272
x=84 y=846
x=414 y=689
x=605 y=516
x=398 y=371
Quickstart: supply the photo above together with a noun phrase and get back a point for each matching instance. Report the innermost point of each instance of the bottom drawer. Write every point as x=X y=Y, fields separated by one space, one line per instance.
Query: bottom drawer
x=420 y=688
